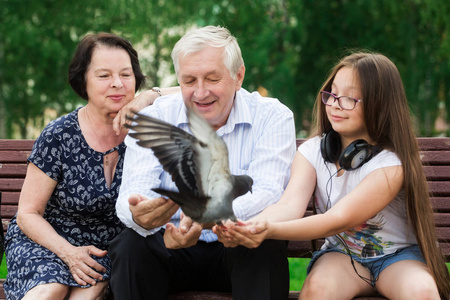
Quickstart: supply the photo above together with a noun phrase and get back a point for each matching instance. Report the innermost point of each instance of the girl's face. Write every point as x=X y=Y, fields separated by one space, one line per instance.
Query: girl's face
x=348 y=123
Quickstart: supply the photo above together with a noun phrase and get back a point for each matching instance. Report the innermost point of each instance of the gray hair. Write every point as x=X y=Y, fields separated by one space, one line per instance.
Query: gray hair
x=214 y=36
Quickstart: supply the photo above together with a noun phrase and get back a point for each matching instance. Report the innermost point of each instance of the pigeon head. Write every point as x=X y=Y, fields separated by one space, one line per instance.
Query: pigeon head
x=243 y=184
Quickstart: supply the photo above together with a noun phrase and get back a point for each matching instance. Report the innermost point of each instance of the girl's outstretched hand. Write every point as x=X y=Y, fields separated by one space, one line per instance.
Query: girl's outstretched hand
x=248 y=234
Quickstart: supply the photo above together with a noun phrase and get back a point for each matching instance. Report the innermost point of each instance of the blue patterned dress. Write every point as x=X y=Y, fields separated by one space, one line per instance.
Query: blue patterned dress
x=81 y=208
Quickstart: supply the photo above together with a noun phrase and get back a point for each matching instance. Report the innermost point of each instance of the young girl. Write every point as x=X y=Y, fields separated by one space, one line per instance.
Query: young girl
x=370 y=192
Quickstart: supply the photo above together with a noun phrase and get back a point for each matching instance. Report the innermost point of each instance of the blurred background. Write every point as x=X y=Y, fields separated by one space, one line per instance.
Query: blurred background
x=288 y=48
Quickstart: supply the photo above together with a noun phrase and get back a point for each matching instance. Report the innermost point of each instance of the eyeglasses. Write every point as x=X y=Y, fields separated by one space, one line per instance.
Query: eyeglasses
x=345 y=102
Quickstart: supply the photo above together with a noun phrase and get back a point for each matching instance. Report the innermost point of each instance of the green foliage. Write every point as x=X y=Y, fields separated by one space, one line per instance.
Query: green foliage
x=288 y=47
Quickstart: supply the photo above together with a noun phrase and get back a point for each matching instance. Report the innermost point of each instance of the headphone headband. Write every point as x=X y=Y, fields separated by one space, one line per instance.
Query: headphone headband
x=352 y=157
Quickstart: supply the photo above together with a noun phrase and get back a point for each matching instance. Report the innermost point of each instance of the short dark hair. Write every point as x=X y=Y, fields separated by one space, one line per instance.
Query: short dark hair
x=83 y=55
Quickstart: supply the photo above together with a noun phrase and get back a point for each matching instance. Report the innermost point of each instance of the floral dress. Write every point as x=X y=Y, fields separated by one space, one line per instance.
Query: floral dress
x=81 y=208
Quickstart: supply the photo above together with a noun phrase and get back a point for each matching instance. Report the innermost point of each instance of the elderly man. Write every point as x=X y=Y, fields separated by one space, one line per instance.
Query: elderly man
x=162 y=251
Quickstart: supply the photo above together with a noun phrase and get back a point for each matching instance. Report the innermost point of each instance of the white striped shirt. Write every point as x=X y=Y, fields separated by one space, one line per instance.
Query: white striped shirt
x=260 y=135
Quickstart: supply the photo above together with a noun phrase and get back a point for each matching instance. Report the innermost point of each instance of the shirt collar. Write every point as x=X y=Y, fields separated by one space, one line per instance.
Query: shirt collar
x=239 y=114
x=182 y=119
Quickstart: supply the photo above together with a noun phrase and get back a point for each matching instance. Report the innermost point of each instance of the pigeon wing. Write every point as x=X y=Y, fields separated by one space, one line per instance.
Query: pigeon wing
x=175 y=150
x=218 y=182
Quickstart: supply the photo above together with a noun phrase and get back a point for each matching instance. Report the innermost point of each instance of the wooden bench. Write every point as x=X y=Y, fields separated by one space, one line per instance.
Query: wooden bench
x=435 y=156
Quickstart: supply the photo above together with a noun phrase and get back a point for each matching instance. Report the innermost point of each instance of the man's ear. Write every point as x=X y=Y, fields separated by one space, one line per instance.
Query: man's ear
x=240 y=78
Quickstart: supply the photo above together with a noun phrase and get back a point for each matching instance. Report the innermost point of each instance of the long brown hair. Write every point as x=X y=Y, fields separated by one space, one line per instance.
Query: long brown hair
x=388 y=122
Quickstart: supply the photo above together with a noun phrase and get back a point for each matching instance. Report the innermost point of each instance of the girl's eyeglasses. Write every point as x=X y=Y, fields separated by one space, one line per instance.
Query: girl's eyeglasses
x=345 y=102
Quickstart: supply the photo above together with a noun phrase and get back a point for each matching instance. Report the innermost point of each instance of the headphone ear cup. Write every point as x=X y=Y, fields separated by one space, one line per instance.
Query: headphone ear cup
x=355 y=155
x=330 y=146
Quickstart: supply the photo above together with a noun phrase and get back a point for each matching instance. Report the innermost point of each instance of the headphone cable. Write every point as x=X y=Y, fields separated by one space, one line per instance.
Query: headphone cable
x=330 y=184
x=338 y=236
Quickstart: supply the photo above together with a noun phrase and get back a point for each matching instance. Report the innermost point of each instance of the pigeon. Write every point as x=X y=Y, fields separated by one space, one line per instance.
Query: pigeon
x=198 y=164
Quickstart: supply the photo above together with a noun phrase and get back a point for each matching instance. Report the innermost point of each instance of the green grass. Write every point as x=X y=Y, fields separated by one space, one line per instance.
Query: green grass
x=3 y=271
x=297 y=272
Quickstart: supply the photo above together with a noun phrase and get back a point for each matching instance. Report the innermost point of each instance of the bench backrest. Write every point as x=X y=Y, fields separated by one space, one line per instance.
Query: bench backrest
x=435 y=153
x=13 y=167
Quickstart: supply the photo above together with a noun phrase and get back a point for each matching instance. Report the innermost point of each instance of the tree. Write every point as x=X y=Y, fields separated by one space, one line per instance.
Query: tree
x=288 y=47
x=40 y=38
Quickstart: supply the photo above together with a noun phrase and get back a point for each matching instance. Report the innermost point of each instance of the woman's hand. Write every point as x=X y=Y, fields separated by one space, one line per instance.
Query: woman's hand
x=82 y=266
x=248 y=234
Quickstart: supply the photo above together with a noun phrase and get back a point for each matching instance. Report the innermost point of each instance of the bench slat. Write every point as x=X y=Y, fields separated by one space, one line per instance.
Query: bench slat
x=441 y=204
x=439 y=188
x=10 y=198
x=435 y=157
x=442 y=220
x=443 y=234
x=12 y=170
x=445 y=249
x=434 y=143
x=6 y=144
x=8 y=211
x=437 y=173
x=14 y=156
x=11 y=184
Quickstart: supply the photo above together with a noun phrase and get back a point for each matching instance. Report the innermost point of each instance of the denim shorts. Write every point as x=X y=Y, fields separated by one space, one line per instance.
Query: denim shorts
x=376 y=265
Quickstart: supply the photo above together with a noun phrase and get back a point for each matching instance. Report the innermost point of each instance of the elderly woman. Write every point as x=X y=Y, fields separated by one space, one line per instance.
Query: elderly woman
x=56 y=245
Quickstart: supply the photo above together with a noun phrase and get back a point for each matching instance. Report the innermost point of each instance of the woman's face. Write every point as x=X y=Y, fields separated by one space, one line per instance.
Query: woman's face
x=110 y=81
x=348 y=123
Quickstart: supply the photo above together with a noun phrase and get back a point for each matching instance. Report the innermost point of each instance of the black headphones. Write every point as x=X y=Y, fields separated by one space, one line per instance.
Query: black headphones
x=352 y=157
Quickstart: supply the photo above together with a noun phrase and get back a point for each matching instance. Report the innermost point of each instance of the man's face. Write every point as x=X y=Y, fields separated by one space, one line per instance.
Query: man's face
x=206 y=85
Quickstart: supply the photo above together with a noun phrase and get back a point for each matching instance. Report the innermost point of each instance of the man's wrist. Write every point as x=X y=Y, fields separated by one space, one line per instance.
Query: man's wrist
x=140 y=225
